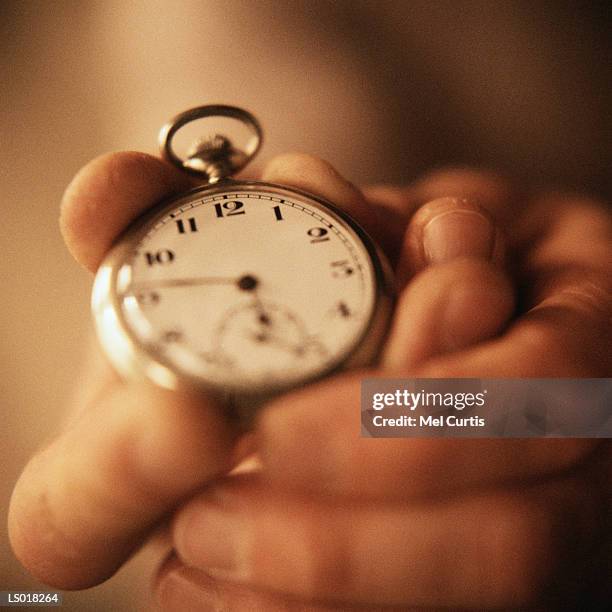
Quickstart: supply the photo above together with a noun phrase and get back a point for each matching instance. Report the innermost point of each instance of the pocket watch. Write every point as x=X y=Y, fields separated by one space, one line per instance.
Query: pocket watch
x=242 y=288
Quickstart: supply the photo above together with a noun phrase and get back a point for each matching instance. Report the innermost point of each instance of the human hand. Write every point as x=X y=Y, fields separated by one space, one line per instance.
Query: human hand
x=117 y=471
x=88 y=500
x=346 y=522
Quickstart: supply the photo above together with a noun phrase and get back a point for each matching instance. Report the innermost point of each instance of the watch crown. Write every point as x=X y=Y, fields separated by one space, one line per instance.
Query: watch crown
x=214 y=156
x=213 y=147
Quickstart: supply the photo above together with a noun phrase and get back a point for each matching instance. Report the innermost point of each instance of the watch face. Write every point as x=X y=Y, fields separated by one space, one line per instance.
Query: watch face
x=244 y=286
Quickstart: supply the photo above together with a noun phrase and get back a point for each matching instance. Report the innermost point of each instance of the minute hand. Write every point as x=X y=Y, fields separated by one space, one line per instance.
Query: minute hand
x=187 y=282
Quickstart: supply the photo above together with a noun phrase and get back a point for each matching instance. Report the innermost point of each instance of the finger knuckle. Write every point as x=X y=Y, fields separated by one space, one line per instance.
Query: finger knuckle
x=570 y=330
x=592 y=295
x=549 y=350
x=330 y=571
x=520 y=552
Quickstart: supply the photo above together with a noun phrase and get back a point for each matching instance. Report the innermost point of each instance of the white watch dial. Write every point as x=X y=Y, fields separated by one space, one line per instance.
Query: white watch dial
x=253 y=288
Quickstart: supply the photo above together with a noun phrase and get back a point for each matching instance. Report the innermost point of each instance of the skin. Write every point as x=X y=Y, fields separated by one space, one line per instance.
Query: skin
x=327 y=519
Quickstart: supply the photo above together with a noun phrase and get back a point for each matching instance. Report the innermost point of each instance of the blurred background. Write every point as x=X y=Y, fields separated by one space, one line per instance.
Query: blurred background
x=385 y=90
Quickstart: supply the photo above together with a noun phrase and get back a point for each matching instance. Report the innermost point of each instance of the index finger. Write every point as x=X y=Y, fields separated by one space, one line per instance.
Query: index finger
x=107 y=194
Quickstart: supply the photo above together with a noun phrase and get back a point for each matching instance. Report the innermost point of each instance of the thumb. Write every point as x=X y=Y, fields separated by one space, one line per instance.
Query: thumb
x=457 y=294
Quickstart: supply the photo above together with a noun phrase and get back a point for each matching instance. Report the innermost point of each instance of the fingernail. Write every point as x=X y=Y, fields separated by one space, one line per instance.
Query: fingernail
x=458 y=233
x=215 y=538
